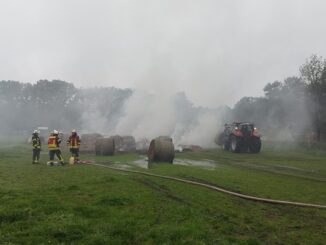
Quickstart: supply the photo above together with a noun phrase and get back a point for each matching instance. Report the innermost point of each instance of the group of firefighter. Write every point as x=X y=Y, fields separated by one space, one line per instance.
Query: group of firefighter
x=54 y=142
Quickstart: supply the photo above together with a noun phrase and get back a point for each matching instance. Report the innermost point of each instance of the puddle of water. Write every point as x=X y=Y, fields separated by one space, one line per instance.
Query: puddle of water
x=119 y=165
x=204 y=163
x=295 y=168
x=143 y=163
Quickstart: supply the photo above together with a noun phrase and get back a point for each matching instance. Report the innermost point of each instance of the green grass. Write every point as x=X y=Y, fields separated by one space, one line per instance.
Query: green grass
x=92 y=205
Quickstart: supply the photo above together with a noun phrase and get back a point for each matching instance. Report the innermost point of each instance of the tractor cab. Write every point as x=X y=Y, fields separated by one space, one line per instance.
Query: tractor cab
x=246 y=129
x=240 y=137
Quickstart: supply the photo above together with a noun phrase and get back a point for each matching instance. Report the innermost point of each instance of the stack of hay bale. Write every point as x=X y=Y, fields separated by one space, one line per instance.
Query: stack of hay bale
x=107 y=146
x=161 y=149
x=128 y=144
x=124 y=144
x=88 y=142
x=117 y=142
x=142 y=146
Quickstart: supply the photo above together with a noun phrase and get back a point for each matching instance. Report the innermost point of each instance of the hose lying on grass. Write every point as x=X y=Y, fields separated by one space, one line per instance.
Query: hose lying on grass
x=252 y=198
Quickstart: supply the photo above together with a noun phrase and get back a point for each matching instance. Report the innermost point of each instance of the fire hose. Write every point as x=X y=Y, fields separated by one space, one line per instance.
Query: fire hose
x=215 y=188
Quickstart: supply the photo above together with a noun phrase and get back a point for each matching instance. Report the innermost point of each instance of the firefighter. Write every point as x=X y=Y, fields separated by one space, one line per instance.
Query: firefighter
x=36 y=142
x=54 y=147
x=74 y=143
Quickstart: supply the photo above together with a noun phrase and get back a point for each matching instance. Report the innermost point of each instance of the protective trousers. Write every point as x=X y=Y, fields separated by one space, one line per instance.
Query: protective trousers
x=36 y=155
x=52 y=153
x=74 y=152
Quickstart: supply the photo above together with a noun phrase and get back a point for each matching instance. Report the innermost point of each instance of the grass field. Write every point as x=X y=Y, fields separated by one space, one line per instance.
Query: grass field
x=91 y=205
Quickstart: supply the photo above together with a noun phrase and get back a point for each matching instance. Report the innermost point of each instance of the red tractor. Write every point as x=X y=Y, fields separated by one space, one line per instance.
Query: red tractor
x=240 y=137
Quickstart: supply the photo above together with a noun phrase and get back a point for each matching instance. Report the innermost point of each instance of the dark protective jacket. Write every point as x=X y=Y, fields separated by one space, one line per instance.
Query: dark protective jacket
x=36 y=142
x=74 y=141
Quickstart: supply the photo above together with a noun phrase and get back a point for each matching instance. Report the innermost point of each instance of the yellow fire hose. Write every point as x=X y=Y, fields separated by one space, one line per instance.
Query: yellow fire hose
x=246 y=197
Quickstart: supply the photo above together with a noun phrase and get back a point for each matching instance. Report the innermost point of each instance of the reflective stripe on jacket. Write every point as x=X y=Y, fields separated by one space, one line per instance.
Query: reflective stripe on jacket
x=53 y=143
x=36 y=142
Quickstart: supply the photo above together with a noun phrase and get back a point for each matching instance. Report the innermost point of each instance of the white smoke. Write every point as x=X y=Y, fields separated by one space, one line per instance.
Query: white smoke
x=155 y=114
x=93 y=120
x=152 y=110
x=204 y=132
x=147 y=115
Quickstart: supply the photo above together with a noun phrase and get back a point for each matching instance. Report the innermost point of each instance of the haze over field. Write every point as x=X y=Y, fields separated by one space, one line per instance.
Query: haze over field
x=216 y=52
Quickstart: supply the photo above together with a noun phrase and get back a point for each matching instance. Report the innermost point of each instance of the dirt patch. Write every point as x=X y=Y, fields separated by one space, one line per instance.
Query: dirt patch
x=272 y=216
x=114 y=201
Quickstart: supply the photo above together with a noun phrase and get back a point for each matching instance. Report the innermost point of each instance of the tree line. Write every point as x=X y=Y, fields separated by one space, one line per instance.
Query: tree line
x=289 y=108
x=54 y=104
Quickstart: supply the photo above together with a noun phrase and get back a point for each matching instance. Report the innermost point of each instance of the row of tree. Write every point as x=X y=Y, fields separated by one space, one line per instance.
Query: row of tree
x=55 y=104
x=290 y=108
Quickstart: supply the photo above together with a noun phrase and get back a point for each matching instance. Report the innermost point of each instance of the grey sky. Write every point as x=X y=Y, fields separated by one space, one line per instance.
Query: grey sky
x=217 y=51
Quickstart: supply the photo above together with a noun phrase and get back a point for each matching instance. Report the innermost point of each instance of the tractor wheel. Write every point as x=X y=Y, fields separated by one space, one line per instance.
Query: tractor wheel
x=235 y=144
x=255 y=145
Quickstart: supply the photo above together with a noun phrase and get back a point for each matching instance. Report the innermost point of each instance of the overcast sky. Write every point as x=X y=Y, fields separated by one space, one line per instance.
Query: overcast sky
x=216 y=51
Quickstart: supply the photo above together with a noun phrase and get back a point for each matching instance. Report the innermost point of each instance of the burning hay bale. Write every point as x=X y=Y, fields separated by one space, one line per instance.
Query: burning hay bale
x=161 y=149
x=124 y=144
x=128 y=144
x=189 y=148
x=117 y=141
x=105 y=146
x=142 y=146
x=88 y=142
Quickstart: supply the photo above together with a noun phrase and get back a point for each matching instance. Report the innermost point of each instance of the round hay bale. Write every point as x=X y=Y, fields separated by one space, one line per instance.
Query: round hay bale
x=165 y=138
x=104 y=147
x=161 y=149
x=128 y=144
x=142 y=146
x=88 y=142
x=117 y=142
x=124 y=144
x=98 y=147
